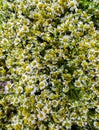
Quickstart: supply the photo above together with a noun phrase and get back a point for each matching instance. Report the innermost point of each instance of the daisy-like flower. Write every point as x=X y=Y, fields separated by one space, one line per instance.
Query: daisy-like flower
x=73 y=116
x=55 y=103
x=80 y=72
x=91 y=52
x=84 y=64
x=65 y=38
x=41 y=115
x=15 y=120
x=72 y=4
x=9 y=84
x=28 y=69
x=78 y=83
x=26 y=22
x=44 y=93
x=34 y=64
x=91 y=57
x=75 y=104
x=4 y=41
x=32 y=119
x=39 y=105
x=17 y=41
x=34 y=89
x=29 y=46
x=80 y=122
x=19 y=90
x=84 y=79
x=51 y=126
x=67 y=124
x=25 y=28
x=46 y=109
x=96 y=124
x=30 y=83
x=28 y=89
x=42 y=127
x=18 y=126
x=24 y=77
x=80 y=25
x=43 y=84
x=20 y=33
x=66 y=89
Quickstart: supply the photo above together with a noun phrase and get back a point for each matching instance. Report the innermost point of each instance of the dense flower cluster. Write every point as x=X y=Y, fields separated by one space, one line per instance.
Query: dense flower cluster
x=49 y=56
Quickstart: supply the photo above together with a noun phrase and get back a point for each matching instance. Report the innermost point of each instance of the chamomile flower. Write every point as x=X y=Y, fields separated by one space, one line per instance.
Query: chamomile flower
x=78 y=83
x=65 y=38
x=29 y=46
x=80 y=72
x=34 y=89
x=17 y=41
x=51 y=126
x=66 y=89
x=28 y=89
x=39 y=105
x=25 y=28
x=20 y=33
x=84 y=64
x=67 y=124
x=54 y=103
x=15 y=119
x=32 y=119
x=96 y=124
x=91 y=57
x=28 y=69
x=24 y=77
x=46 y=109
x=42 y=127
x=73 y=116
x=9 y=85
x=43 y=84
x=80 y=25
x=41 y=116
x=4 y=41
x=34 y=64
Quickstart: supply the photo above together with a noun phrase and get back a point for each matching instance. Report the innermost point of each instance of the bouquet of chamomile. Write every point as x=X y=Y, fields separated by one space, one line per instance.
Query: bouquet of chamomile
x=49 y=65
